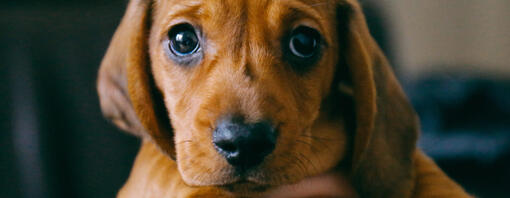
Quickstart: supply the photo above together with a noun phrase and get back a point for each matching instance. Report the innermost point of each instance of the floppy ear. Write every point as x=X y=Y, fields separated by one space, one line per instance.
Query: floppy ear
x=386 y=124
x=126 y=89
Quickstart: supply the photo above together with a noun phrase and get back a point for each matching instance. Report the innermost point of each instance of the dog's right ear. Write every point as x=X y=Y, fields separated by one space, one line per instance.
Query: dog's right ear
x=112 y=85
x=126 y=88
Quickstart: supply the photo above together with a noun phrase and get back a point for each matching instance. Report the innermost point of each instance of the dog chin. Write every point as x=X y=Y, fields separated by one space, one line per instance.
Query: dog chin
x=324 y=185
x=245 y=188
x=249 y=184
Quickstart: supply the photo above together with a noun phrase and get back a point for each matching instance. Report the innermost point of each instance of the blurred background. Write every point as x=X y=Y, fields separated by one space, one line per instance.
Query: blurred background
x=452 y=57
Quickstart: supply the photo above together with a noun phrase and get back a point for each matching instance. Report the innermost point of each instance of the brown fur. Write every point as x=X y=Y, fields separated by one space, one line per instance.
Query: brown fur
x=347 y=115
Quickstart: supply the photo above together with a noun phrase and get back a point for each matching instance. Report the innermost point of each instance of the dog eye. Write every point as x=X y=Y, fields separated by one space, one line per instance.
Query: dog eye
x=183 y=40
x=304 y=42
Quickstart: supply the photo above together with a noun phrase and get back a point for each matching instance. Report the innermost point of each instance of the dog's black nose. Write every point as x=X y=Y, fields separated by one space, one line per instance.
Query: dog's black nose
x=244 y=145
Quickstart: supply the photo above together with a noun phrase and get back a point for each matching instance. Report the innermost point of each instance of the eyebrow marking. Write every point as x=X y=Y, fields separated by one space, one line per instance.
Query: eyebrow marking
x=169 y=18
x=291 y=13
x=304 y=8
x=192 y=10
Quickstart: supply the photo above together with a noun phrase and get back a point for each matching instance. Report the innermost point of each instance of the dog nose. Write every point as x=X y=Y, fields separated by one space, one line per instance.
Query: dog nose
x=244 y=145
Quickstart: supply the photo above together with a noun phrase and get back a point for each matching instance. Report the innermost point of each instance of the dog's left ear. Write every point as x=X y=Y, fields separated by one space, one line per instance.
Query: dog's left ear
x=386 y=124
x=126 y=88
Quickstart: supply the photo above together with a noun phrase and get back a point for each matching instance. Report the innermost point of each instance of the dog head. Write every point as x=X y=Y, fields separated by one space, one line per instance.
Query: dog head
x=254 y=94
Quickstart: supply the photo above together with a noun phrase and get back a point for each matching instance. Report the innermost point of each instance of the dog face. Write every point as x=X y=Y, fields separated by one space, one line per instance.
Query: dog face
x=248 y=95
x=248 y=64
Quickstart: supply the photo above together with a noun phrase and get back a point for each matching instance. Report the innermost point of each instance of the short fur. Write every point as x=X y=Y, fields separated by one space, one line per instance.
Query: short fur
x=345 y=122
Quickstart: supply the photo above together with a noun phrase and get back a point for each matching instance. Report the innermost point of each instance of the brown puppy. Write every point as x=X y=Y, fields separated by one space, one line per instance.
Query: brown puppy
x=262 y=98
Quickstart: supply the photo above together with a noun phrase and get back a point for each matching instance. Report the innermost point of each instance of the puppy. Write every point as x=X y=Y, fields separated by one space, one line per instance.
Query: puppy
x=266 y=98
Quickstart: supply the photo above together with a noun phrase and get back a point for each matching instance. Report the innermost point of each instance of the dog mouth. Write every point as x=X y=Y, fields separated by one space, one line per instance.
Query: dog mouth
x=246 y=186
x=246 y=181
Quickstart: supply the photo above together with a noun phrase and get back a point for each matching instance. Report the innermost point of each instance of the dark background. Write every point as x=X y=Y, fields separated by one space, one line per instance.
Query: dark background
x=55 y=143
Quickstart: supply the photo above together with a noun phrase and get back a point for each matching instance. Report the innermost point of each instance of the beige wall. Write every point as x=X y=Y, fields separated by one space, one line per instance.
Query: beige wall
x=469 y=36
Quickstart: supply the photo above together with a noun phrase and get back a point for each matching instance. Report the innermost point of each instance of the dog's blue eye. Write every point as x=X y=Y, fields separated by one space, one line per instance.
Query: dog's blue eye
x=304 y=42
x=183 y=40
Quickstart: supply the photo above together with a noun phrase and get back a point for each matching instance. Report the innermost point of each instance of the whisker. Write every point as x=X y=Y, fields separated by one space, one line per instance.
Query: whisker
x=184 y=141
x=295 y=159
x=318 y=4
x=311 y=136
x=323 y=142
x=301 y=155
x=319 y=138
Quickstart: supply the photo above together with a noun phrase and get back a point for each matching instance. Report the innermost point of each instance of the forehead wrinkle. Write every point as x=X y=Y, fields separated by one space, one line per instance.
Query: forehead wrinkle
x=180 y=8
x=225 y=23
